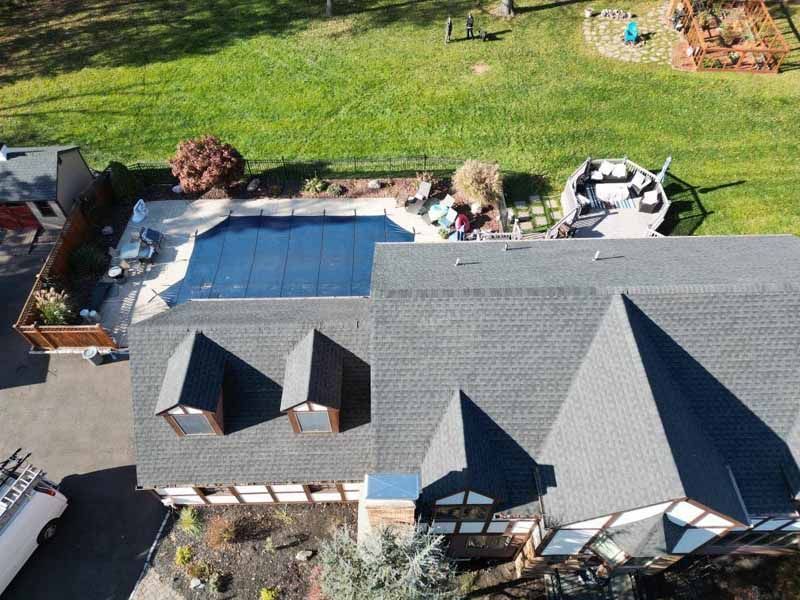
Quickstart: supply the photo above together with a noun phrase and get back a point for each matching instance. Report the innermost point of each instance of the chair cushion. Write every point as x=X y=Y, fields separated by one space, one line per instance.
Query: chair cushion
x=619 y=171
x=606 y=168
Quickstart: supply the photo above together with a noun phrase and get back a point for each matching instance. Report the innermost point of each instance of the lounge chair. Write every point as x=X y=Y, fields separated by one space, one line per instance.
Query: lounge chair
x=449 y=218
x=416 y=203
x=639 y=183
x=448 y=201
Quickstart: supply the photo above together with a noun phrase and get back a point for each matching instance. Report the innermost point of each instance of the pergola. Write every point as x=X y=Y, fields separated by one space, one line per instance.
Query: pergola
x=729 y=35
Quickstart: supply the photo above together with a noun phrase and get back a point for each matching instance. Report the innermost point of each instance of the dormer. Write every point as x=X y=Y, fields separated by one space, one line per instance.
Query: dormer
x=191 y=398
x=312 y=385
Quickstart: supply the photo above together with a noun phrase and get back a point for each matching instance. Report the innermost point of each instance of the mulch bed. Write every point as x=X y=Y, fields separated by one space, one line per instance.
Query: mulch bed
x=250 y=562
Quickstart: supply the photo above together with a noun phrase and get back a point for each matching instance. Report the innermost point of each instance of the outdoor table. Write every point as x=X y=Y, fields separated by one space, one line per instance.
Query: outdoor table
x=437 y=211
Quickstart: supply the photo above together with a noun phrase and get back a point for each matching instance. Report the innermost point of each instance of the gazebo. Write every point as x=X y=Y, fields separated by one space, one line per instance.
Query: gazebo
x=728 y=35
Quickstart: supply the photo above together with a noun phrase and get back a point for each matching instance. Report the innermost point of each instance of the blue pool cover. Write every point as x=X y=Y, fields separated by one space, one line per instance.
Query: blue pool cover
x=269 y=257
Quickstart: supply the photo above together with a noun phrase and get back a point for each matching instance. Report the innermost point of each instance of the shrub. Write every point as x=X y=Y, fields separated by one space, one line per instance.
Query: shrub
x=282 y=516
x=336 y=189
x=201 y=570
x=315 y=185
x=123 y=182
x=215 y=583
x=205 y=162
x=479 y=181
x=268 y=594
x=183 y=555
x=220 y=531
x=87 y=260
x=189 y=521
x=269 y=545
x=53 y=307
x=401 y=564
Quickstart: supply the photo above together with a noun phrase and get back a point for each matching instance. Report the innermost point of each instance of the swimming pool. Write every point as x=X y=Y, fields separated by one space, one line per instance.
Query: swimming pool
x=269 y=256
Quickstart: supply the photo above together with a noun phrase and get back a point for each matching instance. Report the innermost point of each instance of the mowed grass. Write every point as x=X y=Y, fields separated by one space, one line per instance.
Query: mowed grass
x=127 y=80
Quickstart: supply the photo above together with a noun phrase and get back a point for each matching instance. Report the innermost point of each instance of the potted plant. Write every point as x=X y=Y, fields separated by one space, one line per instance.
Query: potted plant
x=734 y=57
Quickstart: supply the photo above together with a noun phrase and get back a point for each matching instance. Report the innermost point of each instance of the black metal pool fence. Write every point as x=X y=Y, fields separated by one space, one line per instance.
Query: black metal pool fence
x=280 y=171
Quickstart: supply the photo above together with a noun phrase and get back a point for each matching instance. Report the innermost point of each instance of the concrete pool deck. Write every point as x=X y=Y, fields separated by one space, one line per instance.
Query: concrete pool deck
x=147 y=290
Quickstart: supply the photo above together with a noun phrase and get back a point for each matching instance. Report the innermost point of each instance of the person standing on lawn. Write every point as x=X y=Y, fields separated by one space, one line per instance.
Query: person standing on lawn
x=448 y=30
x=470 y=25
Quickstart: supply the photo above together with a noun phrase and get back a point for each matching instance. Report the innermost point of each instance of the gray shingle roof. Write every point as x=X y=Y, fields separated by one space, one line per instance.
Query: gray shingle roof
x=605 y=385
x=513 y=330
x=30 y=174
x=459 y=455
x=624 y=421
x=259 y=444
x=193 y=376
x=313 y=373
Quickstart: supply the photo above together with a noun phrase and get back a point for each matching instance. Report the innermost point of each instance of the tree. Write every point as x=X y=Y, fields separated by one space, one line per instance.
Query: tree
x=388 y=564
x=205 y=162
x=328 y=8
x=507 y=8
x=479 y=181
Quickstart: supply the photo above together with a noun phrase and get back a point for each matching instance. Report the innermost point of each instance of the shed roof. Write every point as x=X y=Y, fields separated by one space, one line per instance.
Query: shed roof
x=30 y=173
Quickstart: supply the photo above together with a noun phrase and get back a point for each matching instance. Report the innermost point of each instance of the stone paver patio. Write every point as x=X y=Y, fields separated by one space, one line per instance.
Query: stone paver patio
x=605 y=35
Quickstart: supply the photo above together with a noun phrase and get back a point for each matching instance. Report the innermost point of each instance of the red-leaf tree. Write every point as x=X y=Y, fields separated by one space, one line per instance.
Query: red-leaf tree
x=205 y=162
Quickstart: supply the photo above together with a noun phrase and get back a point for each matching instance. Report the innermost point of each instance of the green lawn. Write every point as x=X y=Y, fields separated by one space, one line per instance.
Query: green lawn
x=126 y=79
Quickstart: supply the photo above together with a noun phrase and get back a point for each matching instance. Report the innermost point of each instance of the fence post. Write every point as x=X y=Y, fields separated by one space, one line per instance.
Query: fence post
x=424 y=162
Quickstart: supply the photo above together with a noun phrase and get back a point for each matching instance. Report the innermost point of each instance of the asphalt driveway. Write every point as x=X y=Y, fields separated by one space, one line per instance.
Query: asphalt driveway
x=76 y=420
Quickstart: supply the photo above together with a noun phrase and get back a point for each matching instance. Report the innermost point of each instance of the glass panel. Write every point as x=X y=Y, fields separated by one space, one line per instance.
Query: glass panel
x=488 y=542
x=193 y=424
x=313 y=421
x=447 y=513
x=476 y=513
x=606 y=548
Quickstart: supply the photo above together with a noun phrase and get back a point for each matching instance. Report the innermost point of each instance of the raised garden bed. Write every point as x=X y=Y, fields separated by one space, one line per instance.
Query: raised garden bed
x=262 y=553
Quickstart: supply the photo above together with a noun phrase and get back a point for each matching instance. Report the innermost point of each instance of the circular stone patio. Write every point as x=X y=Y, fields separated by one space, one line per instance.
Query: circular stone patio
x=605 y=35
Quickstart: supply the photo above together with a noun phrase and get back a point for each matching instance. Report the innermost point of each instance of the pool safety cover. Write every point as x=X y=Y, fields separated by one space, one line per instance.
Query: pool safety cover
x=269 y=257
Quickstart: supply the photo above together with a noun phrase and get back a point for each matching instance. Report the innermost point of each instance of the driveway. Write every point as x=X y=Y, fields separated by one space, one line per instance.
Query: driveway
x=76 y=420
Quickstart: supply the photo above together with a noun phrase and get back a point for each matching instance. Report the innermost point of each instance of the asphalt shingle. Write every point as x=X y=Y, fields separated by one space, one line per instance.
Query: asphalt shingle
x=30 y=174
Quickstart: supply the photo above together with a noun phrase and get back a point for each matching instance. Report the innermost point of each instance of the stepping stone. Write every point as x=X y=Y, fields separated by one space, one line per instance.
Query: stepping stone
x=535 y=198
x=540 y=221
x=520 y=204
x=550 y=203
x=556 y=215
x=526 y=226
x=538 y=209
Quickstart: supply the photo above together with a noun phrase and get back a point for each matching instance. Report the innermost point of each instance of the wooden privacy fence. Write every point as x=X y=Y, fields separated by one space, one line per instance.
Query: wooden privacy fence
x=76 y=231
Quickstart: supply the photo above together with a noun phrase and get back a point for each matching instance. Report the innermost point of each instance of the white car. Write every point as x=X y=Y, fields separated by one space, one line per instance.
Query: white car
x=30 y=507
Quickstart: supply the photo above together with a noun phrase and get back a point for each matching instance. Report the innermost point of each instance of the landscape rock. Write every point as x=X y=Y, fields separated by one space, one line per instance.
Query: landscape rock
x=196 y=584
x=373 y=184
x=254 y=184
x=304 y=555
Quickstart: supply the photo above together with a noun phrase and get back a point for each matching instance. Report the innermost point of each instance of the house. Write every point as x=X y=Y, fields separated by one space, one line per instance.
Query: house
x=39 y=185
x=619 y=401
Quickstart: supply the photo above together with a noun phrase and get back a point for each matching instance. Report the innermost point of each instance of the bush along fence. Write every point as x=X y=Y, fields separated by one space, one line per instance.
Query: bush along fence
x=288 y=173
x=76 y=231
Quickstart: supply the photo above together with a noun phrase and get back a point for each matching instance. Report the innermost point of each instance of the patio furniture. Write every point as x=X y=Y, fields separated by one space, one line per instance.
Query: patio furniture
x=606 y=169
x=139 y=211
x=437 y=211
x=631 y=33
x=448 y=201
x=416 y=203
x=449 y=218
x=639 y=182
x=137 y=250
x=151 y=237
x=650 y=202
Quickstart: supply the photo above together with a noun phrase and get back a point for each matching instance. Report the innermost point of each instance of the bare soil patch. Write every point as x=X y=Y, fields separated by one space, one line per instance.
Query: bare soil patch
x=262 y=552
x=480 y=68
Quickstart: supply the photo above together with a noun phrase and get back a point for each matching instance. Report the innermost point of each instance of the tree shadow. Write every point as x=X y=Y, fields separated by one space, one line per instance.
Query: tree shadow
x=686 y=212
x=547 y=6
